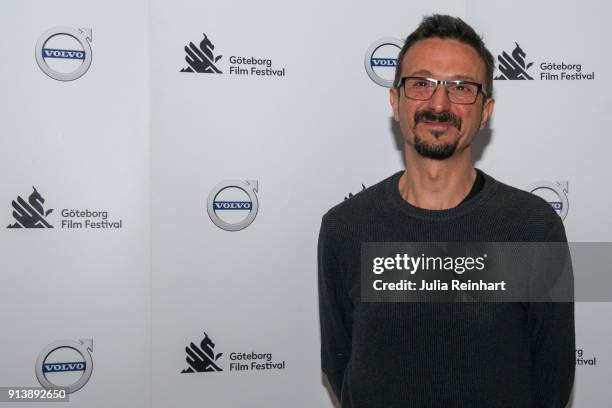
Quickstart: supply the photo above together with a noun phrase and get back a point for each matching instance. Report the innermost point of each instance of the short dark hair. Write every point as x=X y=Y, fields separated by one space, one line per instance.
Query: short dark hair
x=444 y=26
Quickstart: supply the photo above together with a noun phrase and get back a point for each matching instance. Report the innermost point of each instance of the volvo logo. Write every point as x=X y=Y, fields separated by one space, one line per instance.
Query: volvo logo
x=381 y=60
x=65 y=364
x=64 y=53
x=232 y=205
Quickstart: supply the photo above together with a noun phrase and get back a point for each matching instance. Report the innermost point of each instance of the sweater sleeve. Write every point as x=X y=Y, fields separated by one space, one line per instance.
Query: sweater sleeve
x=553 y=345
x=335 y=312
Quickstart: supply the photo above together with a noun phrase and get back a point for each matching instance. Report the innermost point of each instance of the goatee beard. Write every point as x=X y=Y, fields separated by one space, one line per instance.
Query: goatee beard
x=439 y=152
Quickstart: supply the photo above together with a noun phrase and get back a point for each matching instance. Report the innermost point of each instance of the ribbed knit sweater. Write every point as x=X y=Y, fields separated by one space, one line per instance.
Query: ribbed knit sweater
x=385 y=354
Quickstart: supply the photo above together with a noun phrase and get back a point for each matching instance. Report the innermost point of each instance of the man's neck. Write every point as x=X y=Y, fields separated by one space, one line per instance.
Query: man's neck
x=437 y=184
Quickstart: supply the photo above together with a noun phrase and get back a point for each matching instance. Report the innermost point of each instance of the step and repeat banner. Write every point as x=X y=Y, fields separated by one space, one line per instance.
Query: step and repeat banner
x=75 y=263
x=166 y=166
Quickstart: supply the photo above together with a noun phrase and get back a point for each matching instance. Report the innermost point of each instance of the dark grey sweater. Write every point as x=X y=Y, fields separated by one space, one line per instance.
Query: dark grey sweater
x=383 y=355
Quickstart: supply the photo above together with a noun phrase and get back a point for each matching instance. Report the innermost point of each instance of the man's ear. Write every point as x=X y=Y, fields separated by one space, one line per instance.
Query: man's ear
x=394 y=101
x=487 y=111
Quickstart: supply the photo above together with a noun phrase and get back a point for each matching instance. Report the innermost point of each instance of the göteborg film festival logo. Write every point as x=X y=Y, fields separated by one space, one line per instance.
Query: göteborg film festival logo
x=202 y=358
x=513 y=66
x=30 y=214
x=201 y=59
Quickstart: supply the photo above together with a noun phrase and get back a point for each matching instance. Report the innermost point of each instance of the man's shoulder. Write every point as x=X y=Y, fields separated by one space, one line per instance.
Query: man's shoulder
x=362 y=205
x=523 y=206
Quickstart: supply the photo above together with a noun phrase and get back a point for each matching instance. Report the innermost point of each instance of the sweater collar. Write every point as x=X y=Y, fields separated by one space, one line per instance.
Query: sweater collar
x=465 y=207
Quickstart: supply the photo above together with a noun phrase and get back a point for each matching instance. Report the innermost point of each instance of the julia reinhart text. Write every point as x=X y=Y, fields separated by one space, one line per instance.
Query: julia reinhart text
x=438 y=285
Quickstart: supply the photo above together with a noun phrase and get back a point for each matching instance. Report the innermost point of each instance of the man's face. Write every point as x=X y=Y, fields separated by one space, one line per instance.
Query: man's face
x=437 y=128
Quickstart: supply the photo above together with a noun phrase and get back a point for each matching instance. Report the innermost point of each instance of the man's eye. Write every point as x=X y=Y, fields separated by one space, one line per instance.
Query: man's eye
x=463 y=88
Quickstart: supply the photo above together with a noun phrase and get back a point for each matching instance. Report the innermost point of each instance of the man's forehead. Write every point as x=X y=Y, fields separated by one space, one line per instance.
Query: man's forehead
x=443 y=57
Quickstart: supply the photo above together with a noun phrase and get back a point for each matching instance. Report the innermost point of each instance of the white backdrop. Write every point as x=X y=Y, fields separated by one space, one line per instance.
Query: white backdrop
x=84 y=145
x=138 y=138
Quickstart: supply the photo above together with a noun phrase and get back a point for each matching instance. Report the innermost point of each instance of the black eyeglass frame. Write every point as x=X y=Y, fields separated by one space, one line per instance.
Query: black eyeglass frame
x=439 y=82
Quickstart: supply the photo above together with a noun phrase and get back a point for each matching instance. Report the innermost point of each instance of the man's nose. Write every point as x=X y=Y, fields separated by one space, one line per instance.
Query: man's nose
x=439 y=101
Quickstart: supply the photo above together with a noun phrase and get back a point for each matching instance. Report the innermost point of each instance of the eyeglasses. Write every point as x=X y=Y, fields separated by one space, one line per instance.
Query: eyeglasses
x=422 y=89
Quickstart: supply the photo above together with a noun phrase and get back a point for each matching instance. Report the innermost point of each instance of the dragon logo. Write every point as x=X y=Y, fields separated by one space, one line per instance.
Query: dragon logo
x=202 y=359
x=352 y=195
x=513 y=67
x=201 y=59
x=30 y=214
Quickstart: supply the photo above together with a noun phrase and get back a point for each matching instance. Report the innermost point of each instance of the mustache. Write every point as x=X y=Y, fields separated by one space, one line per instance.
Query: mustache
x=442 y=117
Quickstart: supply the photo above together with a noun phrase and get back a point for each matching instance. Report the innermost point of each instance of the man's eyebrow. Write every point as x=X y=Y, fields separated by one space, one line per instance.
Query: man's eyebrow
x=428 y=74
x=422 y=72
x=464 y=78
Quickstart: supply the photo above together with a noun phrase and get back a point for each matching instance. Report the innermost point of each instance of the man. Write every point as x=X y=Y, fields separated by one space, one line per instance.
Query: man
x=440 y=354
